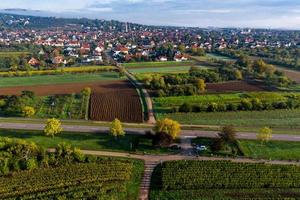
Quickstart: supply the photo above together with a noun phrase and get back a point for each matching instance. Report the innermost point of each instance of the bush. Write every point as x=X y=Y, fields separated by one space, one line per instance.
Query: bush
x=257 y=104
x=162 y=139
x=246 y=105
x=232 y=107
x=186 y=107
x=222 y=107
x=212 y=107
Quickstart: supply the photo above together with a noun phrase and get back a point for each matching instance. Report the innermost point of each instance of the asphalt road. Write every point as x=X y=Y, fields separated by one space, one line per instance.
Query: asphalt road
x=184 y=133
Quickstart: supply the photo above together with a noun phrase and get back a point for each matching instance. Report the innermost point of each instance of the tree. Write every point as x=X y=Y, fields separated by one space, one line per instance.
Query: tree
x=53 y=127
x=28 y=111
x=116 y=128
x=201 y=85
x=238 y=75
x=86 y=92
x=168 y=126
x=264 y=135
x=228 y=134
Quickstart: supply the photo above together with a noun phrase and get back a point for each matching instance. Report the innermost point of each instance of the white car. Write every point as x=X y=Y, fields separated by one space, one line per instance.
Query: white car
x=201 y=148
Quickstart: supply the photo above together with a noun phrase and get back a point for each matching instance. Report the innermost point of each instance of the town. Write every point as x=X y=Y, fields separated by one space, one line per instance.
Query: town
x=108 y=109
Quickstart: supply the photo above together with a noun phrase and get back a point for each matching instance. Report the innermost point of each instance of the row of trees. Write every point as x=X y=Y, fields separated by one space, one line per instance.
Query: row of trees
x=244 y=105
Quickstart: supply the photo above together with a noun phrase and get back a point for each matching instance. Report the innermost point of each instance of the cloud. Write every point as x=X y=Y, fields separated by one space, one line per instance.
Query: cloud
x=245 y=13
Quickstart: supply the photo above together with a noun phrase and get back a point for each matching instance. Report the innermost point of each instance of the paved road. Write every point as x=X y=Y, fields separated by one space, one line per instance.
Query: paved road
x=185 y=133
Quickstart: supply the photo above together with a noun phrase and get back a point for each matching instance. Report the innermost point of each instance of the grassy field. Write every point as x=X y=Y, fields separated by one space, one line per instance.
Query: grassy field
x=273 y=118
x=88 y=141
x=219 y=57
x=57 y=79
x=274 y=150
x=12 y=53
x=179 y=69
x=158 y=64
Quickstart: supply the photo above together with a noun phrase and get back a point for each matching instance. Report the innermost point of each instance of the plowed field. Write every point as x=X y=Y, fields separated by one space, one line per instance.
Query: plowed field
x=109 y=100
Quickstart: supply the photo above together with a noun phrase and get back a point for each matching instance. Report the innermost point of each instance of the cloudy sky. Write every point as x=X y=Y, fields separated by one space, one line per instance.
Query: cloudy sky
x=200 y=13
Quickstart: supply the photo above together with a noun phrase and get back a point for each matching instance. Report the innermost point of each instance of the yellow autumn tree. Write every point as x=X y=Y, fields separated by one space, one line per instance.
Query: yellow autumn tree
x=201 y=85
x=53 y=127
x=265 y=134
x=116 y=128
x=28 y=111
x=168 y=126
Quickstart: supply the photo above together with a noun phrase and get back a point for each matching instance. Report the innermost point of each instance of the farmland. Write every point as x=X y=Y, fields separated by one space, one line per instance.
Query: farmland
x=12 y=53
x=275 y=150
x=56 y=79
x=118 y=100
x=272 y=118
x=167 y=103
x=105 y=178
x=177 y=69
x=224 y=180
x=157 y=64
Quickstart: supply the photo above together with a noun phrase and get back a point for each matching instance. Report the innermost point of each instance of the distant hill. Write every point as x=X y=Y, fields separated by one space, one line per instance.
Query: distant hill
x=23 y=18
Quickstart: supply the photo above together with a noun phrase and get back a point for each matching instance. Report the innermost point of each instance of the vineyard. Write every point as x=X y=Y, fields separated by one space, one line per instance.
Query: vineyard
x=116 y=100
x=104 y=179
x=224 y=180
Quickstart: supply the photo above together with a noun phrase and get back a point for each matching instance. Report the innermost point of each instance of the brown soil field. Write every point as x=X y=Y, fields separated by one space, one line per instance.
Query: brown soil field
x=234 y=86
x=109 y=100
x=292 y=74
x=117 y=100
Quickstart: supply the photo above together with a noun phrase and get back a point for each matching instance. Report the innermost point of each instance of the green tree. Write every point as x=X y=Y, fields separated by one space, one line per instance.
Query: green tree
x=53 y=127
x=116 y=128
x=28 y=111
x=264 y=135
x=86 y=92
x=238 y=75
x=168 y=126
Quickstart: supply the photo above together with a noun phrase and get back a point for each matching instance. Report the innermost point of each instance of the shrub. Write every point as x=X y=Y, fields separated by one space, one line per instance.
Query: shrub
x=162 y=139
x=232 y=107
x=186 y=107
x=246 y=105
x=257 y=104
x=221 y=107
x=212 y=107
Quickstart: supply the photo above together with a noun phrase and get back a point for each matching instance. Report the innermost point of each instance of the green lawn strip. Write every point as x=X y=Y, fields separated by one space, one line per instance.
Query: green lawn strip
x=181 y=69
x=157 y=64
x=281 y=119
x=273 y=150
x=57 y=79
x=88 y=141
x=13 y=53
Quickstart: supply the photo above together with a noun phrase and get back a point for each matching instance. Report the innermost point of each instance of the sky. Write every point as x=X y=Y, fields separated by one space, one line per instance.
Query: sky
x=197 y=13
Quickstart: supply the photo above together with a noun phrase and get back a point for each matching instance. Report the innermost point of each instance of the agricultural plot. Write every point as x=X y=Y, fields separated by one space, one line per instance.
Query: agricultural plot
x=234 y=86
x=224 y=180
x=219 y=57
x=54 y=79
x=177 y=69
x=12 y=53
x=103 y=179
x=158 y=64
x=271 y=118
x=168 y=103
x=118 y=100
x=275 y=150
x=61 y=107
